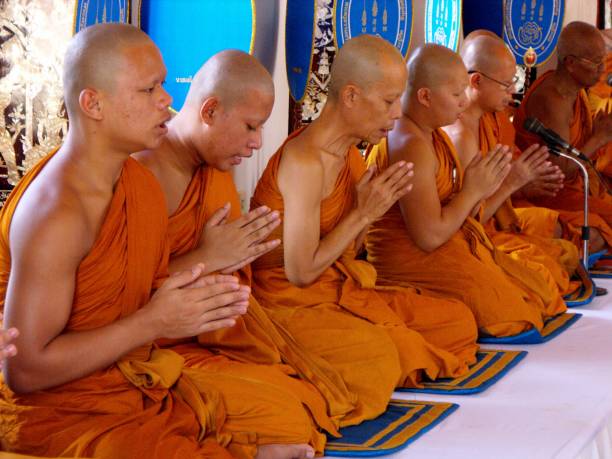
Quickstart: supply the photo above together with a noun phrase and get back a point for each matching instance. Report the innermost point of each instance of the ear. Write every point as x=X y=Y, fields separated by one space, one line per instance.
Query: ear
x=349 y=95
x=475 y=79
x=424 y=96
x=91 y=103
x=209 y=109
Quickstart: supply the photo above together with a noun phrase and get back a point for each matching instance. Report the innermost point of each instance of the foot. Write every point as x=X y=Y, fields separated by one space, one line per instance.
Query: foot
x=285 y=452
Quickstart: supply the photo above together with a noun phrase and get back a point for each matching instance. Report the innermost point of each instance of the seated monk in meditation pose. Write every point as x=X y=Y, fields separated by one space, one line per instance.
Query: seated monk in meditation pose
x=524 y=233
x=221 y=123
x=82 y=246
x=435 y=242
x=312 y=283
x=558 y=99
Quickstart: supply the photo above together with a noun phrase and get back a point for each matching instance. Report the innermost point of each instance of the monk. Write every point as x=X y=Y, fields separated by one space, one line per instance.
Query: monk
x=526 y=234
x=600 y=94
x=7 y=348
x=435 y=242
x=558 y=99
x=81 y=247
x=229 y=100
x=312 y=283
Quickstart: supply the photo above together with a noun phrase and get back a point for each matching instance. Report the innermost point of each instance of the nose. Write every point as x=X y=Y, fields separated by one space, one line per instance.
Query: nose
x=165 y=99
x=396 y=110
x=255 y=142
x=463 y=100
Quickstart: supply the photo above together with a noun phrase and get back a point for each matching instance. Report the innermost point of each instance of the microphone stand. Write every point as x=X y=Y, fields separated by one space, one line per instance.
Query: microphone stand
x=585 y=234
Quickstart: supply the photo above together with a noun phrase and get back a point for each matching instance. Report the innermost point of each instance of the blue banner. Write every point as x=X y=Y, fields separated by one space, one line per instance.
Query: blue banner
x=532 y=28
x=443 y=22
x=90 y=12
x=389 y=19
x=299 y=44
x=188 y=32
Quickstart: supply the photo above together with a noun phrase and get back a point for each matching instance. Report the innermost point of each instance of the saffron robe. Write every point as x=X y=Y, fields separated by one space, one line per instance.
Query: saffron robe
x=146 y=404
x=600 y=95
x=525 y=233
x=433 y=337
x=505 y=297
x=571 y=197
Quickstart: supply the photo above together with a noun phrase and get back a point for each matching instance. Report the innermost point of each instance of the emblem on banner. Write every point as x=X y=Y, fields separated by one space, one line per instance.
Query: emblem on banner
x=389 y=19
x=90 y=12
x=443 y=22
x=532 y=28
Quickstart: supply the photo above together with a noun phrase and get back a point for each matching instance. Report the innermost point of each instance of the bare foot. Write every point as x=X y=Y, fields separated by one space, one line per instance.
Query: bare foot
x=285 y=452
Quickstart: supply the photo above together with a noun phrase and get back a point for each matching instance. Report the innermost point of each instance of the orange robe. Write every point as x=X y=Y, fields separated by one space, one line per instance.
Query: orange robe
x=145 y=405
x=344 y=306
x=505 y=297
x=256 y=351
x=571 y=197
x=600 y=95
x=525 y=233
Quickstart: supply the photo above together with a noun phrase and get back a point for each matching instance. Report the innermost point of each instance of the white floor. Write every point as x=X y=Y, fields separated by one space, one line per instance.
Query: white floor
x=556 y=403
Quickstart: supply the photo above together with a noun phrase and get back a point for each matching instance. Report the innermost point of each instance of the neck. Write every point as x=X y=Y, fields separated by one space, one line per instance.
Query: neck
x=421 y=120
x=330 y=132
x=472 y=114
x=184 y=156
x=565 y=85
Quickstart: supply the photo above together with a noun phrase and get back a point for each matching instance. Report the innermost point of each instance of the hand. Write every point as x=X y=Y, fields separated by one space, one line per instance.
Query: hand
x=548 y=187
x=602 y=127
x=531 y=165
x=188 y=304
x=483 y=176
x=227 y=247
x=376 y=195
x=7 y=349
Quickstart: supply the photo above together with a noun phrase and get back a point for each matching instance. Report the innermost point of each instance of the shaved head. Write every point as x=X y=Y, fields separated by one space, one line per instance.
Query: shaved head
x=363 y=61
x=486 y=53
x=433 y=65
x=478 y=33
x=229 y=76
x=95 y=56
x=579 y=39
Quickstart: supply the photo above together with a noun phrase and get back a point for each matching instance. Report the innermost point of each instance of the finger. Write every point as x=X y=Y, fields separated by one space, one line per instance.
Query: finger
x=183 y=278
x=366 y=177
x=252 y=216
x=210 y=292
x=493 y=155
x=8 y=351
x=400 y=176
x=216 y=325
x=219 y=216
x=262 y=227
x=396 y=169
x=224 y=303
x=402 y=192
x=403 y=183
x=211 y=279
x=528 y=152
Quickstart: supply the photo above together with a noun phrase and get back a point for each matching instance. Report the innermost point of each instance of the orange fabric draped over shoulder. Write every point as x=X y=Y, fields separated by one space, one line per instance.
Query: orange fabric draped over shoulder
x=345 y=318
x=505 y=297
x=145 y=405
x=600 y=95
x=262 y=375
x=525 y=234
x=571 y=197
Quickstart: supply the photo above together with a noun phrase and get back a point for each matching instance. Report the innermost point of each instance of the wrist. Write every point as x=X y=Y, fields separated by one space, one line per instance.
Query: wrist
x=146 y=324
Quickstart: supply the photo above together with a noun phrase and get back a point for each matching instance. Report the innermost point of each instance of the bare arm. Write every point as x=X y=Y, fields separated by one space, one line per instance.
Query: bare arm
x=300 y=182
x=40 y=295
x=428 y=223
x=7 y=348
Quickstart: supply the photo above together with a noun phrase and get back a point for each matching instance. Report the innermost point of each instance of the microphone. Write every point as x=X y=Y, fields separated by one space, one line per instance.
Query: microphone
x=535 y=126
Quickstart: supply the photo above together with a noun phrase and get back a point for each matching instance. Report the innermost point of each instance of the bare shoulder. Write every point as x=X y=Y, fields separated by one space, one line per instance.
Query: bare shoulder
x=300 y=168
x=463 y=139
x=408 y=145
x=546 y=104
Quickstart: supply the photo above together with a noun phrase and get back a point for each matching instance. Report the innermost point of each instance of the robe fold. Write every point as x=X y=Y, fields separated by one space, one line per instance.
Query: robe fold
x=505 y=296
x=145 y=405
x=256 y=351
x=526 y=233
x=344 y=317
x=600 y=95
x=571 y=197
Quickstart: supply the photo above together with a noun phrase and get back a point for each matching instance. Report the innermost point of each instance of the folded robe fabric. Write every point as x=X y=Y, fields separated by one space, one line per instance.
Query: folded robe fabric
x=346 y=319
x=571 y=197
x=146 y=405
x=506 y=297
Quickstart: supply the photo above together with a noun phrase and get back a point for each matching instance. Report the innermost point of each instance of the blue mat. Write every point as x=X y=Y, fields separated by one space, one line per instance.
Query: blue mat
x=552 y=328
x=490 y=367
x=600 y=265
x=583 y=294
x=402 y=423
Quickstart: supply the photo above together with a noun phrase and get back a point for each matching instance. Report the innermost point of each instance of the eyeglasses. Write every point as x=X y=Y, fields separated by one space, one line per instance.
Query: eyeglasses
x=595 y=64
x=506 y=86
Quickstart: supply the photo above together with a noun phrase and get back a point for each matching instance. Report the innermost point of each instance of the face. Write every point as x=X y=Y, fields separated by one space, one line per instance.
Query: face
x=137 y=108
x=237 y=131
x=378 y=107
x=449 y=99
x=587 y=67
x=495 y=87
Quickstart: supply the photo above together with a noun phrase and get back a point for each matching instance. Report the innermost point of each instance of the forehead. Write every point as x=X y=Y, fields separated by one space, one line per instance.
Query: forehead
x=141 y=60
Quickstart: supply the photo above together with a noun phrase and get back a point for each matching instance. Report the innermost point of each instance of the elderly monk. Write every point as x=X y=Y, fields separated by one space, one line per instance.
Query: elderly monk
x=558 y=99
x=526 y=233
x=229 y=100
x=81 y=247
x=7 y=348
x=313 y=284
x=600 y=94
x=435 y=242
